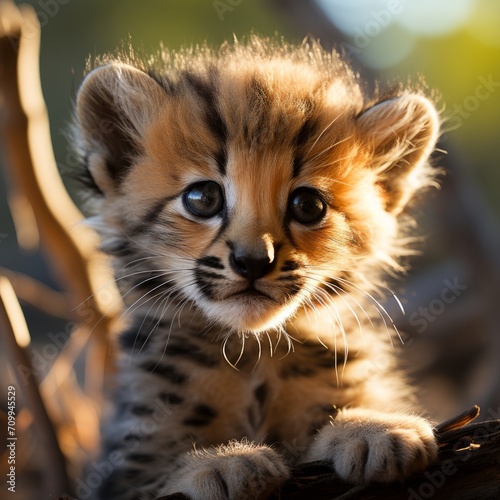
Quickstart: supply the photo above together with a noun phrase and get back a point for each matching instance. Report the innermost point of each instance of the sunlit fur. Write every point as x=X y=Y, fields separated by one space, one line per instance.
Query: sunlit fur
x=261 y=119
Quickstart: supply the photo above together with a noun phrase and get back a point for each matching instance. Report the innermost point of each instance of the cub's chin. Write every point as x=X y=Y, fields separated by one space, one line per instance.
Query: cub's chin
x=249 y=312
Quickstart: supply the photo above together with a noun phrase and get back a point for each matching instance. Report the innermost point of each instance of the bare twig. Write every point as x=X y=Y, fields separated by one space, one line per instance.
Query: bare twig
x=69 y=245
x=89 y=298
x=16 y=338
x=39 y=295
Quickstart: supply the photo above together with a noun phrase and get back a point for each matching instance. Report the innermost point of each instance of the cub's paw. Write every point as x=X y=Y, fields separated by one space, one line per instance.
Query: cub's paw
x=365 y=446
x=236 y=471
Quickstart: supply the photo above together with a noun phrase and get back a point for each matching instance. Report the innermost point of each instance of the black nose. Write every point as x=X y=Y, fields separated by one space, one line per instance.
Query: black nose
x=250 y=266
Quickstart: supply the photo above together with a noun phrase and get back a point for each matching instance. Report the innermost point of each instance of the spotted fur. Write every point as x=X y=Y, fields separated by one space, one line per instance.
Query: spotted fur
x=250 y=198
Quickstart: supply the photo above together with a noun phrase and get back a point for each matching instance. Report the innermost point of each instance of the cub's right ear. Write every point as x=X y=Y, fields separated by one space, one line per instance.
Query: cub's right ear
x=114 y=106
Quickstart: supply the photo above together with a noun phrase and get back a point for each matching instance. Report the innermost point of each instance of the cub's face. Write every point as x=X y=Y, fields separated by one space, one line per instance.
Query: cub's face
x=250 y=191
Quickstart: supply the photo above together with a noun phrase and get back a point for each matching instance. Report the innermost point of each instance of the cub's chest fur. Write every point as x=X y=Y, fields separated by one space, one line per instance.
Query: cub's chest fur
x=250 y=199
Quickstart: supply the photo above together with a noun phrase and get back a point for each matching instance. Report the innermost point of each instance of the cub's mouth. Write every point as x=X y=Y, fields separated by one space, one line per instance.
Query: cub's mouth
x=251 y=309
x=252 y=293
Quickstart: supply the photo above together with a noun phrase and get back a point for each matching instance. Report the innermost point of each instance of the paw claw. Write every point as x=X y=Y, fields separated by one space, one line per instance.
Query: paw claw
x=365 y=446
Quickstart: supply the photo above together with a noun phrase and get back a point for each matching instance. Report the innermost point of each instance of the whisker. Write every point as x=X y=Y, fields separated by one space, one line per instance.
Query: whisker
x=138 y=301
x=160 y=296
x=337 y=291
x=224 y=353
x=338 y=320
x=259 y=354
x=164 y=304
x=332 y=162
x=270 y=344
x=324 y=130
x=178 y=309
x=378 y=306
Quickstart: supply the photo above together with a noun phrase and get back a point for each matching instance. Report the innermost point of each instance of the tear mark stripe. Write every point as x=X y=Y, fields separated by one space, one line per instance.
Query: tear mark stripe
x=211 y=261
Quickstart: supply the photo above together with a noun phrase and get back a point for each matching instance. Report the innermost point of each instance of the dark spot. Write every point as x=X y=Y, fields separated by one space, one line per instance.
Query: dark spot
x=145 y=282
x=131 y=437
x=290 y=265
x=309 y=127
x=251 y=465
x=295 y=370
x=273 y=437
x=261 y=394
x=205 y=410
x=202 y=415
x=294 y=288
x=287 y=278
x=141 y=410
x=142 y=458
x=131 y=338
x=222 y=482
x=191 y=352
x=320 y=356
x=334 y=286
x=168 y=372
x=137 y=335
x=171 y=398
x=139 y=477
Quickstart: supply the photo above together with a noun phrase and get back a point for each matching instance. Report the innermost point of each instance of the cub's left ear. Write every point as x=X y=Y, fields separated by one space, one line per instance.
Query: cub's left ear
x=114 y=106
x=402 y=132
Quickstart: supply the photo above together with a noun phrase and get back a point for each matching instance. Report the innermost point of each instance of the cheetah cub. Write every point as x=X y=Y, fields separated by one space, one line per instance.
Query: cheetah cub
x=251 y=198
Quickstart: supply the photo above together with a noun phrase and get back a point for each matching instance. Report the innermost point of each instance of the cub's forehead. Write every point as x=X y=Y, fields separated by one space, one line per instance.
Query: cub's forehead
x=259 y=115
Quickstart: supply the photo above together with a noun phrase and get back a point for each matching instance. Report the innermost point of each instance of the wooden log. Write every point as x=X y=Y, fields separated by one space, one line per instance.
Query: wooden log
x=468 y=468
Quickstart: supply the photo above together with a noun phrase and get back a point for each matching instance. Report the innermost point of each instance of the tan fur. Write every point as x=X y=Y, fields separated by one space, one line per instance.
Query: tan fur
x=263 y=120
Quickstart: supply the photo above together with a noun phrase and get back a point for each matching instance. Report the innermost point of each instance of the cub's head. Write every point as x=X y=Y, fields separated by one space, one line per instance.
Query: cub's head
x=249 y=182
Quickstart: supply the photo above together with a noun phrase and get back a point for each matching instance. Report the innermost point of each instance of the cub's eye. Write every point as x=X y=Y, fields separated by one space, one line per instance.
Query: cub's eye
x=307 y=206
x=204 y=199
